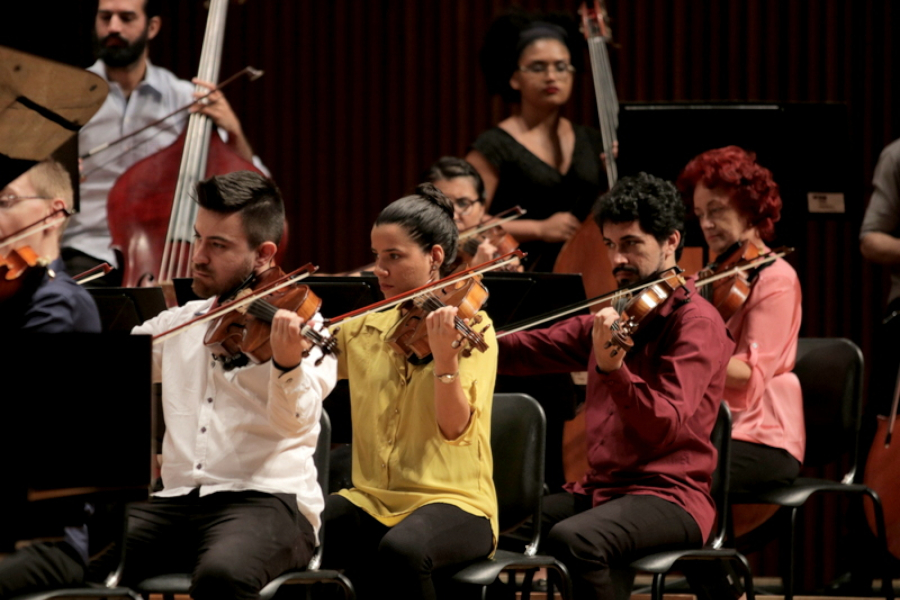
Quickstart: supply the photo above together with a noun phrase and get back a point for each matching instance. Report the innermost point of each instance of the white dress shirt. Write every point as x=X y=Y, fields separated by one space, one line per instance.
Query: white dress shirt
x=251 y=428
x=157 y=95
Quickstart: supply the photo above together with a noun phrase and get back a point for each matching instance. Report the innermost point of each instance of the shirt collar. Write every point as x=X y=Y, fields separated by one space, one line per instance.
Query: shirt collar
x=152 y=77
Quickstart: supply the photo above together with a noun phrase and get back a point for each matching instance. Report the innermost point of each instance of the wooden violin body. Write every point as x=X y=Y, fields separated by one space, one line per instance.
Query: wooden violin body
x=496 y=236
x=247 y=331
x=21 y=272
x=640 y=308
x=410 y=335
x=729 y=294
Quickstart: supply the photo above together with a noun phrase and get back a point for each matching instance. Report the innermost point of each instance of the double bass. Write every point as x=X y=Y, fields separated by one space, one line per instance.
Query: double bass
x=584 y=250
x=150 y=209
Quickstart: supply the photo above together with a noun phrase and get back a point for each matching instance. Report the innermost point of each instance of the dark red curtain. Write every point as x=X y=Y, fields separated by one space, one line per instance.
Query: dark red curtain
x=360 y=96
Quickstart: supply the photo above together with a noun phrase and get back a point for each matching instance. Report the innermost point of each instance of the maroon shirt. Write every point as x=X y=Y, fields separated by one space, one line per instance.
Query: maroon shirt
x=649 y=422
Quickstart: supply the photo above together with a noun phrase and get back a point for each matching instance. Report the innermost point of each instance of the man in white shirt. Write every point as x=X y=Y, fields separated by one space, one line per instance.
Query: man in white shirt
x=139 y=93
x=241 y=502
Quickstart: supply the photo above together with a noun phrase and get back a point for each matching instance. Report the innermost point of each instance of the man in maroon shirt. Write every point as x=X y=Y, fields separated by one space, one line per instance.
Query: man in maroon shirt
x=649 y=412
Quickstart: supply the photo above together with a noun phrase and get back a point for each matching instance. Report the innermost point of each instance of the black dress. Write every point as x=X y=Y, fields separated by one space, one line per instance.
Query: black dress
x=527 y=181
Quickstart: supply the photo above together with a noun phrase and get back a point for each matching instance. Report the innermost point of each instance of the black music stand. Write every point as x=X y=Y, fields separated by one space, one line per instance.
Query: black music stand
x=81 y=427
x=341 y=294
x=122 y=309
x=518 y=297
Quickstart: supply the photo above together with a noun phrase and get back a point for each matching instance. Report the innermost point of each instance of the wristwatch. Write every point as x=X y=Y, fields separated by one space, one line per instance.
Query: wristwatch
x=447 y=377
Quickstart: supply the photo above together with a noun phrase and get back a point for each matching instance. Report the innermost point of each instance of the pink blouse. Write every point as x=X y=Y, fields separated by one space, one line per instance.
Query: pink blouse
x=769 y=410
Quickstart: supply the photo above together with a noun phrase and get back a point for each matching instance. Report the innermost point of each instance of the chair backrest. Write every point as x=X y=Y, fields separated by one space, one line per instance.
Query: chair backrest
x=517 y=442
x=830 y=371
x=322 y=459
x=322 y=455
x=721 y=439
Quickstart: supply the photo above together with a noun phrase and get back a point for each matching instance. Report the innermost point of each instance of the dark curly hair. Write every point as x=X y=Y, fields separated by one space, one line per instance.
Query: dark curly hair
x=750 y=186
x=427 y=218
x=503 y=45
x=653 y=202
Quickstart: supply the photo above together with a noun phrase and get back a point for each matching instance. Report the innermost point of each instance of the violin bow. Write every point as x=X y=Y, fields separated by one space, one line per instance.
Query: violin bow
x=751 y=264
x=289 y=279
x=498 y=219
x=39 y=225
x=573 y=308
x=251 y=72
x=93 y=273
x=617 y=294
x=490 y=265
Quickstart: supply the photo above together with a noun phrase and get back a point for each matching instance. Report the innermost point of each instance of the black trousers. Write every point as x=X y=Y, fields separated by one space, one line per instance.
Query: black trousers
x=234 y=543
x=598 y=543
x=755 y=467
x=40 y=567
x=401 y=561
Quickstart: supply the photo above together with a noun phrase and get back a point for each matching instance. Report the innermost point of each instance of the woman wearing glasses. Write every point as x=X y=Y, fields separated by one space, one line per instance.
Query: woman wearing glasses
x=536 y=158
x=462 y=184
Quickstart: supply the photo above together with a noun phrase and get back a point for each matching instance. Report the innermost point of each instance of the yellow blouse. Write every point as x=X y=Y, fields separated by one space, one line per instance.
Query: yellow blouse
x=401 y=460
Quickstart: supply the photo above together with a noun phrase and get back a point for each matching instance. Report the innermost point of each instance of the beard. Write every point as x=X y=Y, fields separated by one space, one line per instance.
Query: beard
x=120 y=56
x=623 y=283
x=207 y=287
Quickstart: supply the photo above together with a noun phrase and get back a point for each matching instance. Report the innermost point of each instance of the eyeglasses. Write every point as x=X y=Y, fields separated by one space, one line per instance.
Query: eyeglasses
x=10 y=201
x=464 y=205
x=540 y=66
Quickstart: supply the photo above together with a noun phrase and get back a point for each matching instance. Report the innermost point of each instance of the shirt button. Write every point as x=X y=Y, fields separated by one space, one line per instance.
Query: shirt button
x=382 y=465
x=755 y=345
x=212 y=365
x=199 y=466
x=203 y=430
x=396 y=411
x=209 y=400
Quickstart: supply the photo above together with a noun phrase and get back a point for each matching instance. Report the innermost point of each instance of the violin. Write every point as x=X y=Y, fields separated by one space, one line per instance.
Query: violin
x=640 y=308
x=21 y=272
x=728 y=294
x=491 y=231
x=410 y=335
x=245 y=331
x=451 y=290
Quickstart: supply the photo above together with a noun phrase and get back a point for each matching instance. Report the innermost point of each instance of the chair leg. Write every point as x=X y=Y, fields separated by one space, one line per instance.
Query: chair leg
x=564 y=582
x=792 y=558
x=526 y=583
x=659 y=586
x=747 y=576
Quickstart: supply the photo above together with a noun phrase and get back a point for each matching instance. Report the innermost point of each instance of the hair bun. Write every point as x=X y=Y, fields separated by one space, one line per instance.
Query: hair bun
x=429 y=192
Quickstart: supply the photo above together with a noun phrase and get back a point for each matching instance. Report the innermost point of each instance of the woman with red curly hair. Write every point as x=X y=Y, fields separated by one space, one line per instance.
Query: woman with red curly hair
x=737 y=201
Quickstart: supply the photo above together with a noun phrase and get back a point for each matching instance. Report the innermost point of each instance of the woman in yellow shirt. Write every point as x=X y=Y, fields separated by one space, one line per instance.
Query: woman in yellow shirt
x=423 y=495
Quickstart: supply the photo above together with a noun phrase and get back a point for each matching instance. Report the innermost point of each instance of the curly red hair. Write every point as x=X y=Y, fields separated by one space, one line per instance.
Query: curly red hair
x=750 y=186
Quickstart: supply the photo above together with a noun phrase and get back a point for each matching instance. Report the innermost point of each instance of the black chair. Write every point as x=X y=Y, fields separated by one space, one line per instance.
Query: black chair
x=179 y=583
x=831 y=377
x=660 y=563
x=517 y=443
x=91 y=591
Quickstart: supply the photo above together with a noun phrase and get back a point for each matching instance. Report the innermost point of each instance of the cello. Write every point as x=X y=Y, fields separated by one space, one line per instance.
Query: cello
x=150 y=210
